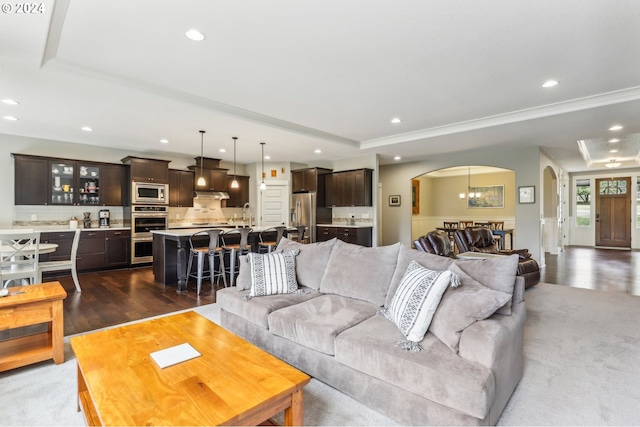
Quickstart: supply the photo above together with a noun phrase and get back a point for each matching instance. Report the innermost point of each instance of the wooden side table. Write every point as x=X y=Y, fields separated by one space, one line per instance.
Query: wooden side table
x=41 y=303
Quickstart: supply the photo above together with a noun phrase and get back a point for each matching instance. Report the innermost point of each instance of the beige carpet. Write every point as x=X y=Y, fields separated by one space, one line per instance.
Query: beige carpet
x=582 y=367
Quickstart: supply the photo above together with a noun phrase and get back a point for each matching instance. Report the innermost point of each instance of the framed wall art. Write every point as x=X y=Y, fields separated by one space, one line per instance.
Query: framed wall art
x=486 y=197
x=527 y=194
x=394 y=200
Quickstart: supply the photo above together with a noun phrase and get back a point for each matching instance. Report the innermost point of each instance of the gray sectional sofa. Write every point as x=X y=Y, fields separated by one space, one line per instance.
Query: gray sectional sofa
x=471 y=358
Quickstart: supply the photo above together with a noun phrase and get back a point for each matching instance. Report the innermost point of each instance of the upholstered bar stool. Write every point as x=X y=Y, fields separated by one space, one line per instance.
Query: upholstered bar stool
x=235 y=249
x=201 y=252
x=270 y=245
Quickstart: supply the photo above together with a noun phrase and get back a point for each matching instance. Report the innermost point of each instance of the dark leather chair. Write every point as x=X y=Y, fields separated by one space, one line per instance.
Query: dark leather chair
x=435 y=242
x=480 y=239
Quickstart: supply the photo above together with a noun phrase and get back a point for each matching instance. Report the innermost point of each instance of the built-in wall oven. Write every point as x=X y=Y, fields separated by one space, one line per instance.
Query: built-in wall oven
x=144 y=220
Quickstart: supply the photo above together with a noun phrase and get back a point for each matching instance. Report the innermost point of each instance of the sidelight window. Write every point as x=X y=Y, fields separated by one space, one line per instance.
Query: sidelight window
x=638 y=202
x=583 y=203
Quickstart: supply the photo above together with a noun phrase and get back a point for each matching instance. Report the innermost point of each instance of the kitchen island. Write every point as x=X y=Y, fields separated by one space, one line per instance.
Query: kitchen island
x=171 y=252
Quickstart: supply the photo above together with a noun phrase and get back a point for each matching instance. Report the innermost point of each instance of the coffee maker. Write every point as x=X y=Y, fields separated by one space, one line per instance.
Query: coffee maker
x=104 y=218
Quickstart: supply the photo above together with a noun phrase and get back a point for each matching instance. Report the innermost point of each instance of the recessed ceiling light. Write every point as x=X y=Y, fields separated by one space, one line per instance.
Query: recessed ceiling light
x=222 y=150
x=550 y=83
x=164 y=141
x=13 y=119
x=87 y=128
x=615 y=127
x=613 y=150
x=10 y=102
x=267 y=157
x=396 y=120
x=195 y=35
x=397 y=158
x=317 y=151
x=614 y=140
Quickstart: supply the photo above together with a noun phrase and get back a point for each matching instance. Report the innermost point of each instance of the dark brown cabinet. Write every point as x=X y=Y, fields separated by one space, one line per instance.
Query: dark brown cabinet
x=54 y=181
x=237 y=196
x=64 y=240
x=180 y=188
x=117 y=248
x=31 y=180
x=113 y=185
x=356 y=235
x=148 y=170
x=215 y=179
x=349 y=188
x=309 y=179
x=91 y=250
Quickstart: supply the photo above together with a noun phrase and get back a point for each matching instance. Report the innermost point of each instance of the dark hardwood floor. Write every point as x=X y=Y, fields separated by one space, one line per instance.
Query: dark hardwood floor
x=119 y=296
x=602 y=269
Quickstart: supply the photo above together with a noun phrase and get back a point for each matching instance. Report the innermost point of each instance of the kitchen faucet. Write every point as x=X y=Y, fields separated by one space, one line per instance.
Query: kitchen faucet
x=244 y=213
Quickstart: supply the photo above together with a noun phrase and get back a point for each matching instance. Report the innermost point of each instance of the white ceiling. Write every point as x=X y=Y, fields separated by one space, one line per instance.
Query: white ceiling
x=328 y=74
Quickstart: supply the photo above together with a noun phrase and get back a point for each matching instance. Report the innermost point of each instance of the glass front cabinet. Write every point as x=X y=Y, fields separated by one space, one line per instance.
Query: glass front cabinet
x=74 y=183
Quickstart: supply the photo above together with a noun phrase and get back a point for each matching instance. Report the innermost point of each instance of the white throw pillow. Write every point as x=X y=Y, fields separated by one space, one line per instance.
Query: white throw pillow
x=415 y=302
x=273 y=273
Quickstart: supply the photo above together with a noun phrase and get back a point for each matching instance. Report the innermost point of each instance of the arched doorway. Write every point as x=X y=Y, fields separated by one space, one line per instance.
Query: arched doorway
x=551 y=232
x=444 y=196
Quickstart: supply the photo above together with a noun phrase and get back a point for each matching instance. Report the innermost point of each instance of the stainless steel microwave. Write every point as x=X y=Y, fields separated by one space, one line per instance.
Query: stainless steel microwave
x=149 y=193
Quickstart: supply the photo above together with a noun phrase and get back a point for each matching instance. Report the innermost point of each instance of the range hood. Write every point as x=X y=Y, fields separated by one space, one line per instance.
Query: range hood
x=216 y=195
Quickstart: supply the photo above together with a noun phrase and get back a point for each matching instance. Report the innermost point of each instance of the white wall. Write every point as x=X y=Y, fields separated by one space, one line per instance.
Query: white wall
x=525 y=162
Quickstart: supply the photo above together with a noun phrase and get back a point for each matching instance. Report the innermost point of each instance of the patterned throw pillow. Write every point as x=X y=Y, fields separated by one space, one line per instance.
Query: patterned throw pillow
x=415 y=302
x=273 y=273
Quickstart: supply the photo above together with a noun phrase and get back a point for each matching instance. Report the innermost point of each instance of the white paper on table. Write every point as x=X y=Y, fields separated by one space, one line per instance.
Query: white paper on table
x=176 y=354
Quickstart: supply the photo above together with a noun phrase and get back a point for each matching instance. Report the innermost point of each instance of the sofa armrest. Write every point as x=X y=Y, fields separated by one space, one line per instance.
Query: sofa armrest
x=497 y=343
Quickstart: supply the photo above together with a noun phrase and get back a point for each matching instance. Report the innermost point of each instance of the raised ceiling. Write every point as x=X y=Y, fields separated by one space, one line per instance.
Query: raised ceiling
x=325 y=74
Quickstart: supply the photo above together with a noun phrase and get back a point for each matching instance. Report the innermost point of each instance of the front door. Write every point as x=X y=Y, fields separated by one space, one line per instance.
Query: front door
x=613 y=212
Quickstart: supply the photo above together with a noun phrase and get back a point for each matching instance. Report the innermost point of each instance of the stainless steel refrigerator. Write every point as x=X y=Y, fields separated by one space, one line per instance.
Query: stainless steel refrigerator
x=305 y=210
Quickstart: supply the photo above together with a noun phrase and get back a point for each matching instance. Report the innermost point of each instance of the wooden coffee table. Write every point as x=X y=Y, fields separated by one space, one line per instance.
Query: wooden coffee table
x=232 y=383
x=32 y=305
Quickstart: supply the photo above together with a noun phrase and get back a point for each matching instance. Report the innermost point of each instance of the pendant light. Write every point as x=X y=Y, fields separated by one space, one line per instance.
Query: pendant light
x=263 y=186
x=469 y=194
x=234 y=183
x=201 y=181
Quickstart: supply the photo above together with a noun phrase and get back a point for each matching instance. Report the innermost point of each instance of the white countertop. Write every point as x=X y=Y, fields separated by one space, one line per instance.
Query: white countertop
x=61 y=228
x=347 y=225
x=180 y=232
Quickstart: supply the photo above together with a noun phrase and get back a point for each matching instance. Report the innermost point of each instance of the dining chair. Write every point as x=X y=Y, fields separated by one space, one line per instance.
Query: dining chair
x=485 y=224
x=68 y=264
x=497 y=225
x=212 y=250
x=449 y=228
x=464 y=224
x=19 y=256
x=270 y=245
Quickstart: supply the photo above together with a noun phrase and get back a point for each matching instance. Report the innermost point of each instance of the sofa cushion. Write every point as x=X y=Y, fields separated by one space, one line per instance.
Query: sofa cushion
x=273 y=273
x=436 y=373
x=405 y=256
x=415 y=302
x=312 y=260
x=317 y=322
x=462 y=306
x=497 y=273
x=257 y=310
x=374 y=268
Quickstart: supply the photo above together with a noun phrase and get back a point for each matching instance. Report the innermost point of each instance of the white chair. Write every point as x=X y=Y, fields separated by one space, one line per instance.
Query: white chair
x=69 y=264
x=19 y=256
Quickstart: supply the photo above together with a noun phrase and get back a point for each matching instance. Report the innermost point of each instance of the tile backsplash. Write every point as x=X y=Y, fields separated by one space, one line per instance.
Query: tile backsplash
x=41 y=216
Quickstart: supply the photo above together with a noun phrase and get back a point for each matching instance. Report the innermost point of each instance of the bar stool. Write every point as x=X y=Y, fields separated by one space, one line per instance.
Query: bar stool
x=269 y=245
x=497 y=225
x=199 y=253
x=297 y=233
x=235 y=249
